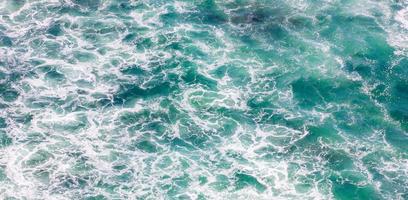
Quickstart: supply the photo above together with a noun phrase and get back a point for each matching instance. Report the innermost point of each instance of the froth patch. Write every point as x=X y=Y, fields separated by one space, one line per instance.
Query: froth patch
x=402 y=18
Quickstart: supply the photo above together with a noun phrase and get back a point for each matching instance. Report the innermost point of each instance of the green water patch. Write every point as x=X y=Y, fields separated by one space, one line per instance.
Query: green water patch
x=338 y=160
x=195 y=136
x=345 y=189
x=15 y=4
x=3 y=122
x=239 y=75
x=5 y=41
x=5 y=139
x=129 y=92
x=311 y=91
x=179 y=144
x=82 y=56
x=69 y=182
x=325 y=132
x=7 y=93
x=383 y=174
x=122 y=8
x=221 y=183
x=397 y=137
x=245 y=180
x=54 y=77
x=55 y=29
x=96 y=197
x=37 y=158
x=398 y=105
x=209 y=13
x=145 y=146
x=349 y=30
x=194 y=77
x=88 y=4
x=133 y=70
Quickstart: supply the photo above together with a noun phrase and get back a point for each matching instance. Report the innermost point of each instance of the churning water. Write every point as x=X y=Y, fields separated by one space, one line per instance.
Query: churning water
x=204 y=99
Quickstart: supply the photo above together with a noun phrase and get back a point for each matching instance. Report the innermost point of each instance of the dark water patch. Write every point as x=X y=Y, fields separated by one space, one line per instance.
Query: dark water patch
x=338 y=26
x=145 y=146
x=55 y=29
x=398 y=138
x=338 y=160
x=325 y=132
x=257 y=13
x=245 y=180
x=71 y=182
x=96 y=197
x=353 y=123
x=144 y=43
x=119 y=167
x=5 y=41
x=374 y=62
x=250 y=41
x=379 y=173
x=398 y=105
x=258 y=103
x=299 y=22
x=9 y=95
x=180 y=145
x=72 y=10
x=133 y=70
x=170 y=18
x=5 y=139
x=88 y=4
x=276 y=31
x=3 y=123
x=381 y=93
x=121 y=7
x=192 y=76
x=21 y=118
x=361 y=39
x=251 y=15
x=129 y=92
x=311 y=92
x=55 y=77
x=399 y=71
x=208 y=13
x=343 y=189
x=130 y=38
x=130 y=118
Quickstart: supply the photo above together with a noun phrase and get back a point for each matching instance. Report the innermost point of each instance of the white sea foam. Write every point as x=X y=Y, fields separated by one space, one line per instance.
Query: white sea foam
x=402 y=17
x=74 y=138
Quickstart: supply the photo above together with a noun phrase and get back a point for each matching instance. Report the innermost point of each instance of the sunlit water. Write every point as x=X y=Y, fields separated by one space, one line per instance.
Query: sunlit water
x=204 y=99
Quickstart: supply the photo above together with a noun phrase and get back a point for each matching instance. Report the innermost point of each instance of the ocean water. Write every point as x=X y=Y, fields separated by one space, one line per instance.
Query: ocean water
x=204 y=99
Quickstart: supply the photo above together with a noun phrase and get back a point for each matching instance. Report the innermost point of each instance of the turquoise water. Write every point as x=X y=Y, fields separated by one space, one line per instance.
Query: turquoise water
x=204 y=99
